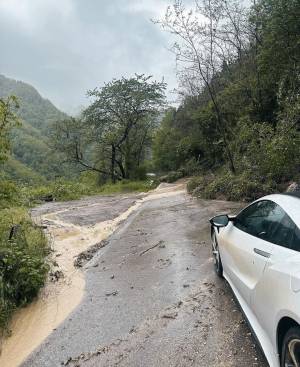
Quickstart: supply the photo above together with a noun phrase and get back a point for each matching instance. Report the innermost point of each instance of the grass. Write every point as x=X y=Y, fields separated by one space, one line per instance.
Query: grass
x=68 y=190
x=61 y=190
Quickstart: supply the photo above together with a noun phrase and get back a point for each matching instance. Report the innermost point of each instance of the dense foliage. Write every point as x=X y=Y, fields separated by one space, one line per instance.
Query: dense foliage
x=240 y=114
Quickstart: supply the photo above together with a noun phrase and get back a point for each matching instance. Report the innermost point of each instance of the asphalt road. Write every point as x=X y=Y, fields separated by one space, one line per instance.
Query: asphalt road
x=152 y=298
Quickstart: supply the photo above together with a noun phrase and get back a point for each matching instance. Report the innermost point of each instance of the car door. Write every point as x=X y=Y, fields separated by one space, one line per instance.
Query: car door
x=245 y=247
x=281 y=277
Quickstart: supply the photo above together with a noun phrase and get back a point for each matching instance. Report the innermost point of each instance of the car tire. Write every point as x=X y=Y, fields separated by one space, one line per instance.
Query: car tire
x=216 y=255
x=291 y=348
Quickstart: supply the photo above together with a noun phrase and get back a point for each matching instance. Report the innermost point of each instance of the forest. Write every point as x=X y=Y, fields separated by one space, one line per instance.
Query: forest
x=235 y=131
x=237 y=127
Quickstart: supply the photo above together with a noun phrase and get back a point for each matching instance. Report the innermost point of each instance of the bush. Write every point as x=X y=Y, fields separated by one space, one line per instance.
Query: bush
x=227 y=186
x=198 y=184
x=192 y=167
x=59 y=190
x=8 y=193
x=172 y=176
x=267 y=153
x=23 y=267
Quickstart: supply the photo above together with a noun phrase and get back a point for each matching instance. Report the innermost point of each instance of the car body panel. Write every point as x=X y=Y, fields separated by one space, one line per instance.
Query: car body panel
x=266 y=283
x=237 y=248
x=262 y=336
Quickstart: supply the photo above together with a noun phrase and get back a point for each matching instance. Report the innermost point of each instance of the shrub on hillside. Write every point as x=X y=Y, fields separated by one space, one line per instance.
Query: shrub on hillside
x=198 y=184
x=227 y=186
x=172 y=176
x=8 y=193
x=23 y=269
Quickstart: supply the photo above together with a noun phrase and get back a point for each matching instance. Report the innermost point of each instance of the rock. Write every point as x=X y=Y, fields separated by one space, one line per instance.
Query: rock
x=47 y=198
x=87 y=255
x=56 y=275
x=294 y=186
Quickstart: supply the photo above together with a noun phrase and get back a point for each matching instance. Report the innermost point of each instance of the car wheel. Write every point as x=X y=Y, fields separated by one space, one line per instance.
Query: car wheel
x=290 y=356
x=216 y=256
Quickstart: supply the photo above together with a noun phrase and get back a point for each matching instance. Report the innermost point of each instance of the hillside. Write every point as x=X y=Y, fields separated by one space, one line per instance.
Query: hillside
x=32 y=158
x=34 y=109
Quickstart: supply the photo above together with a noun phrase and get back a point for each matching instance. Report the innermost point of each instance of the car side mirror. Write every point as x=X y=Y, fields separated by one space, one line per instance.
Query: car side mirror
x=220 y=220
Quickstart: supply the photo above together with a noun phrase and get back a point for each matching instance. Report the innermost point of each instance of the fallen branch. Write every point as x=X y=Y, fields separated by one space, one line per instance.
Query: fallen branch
x=151 y=248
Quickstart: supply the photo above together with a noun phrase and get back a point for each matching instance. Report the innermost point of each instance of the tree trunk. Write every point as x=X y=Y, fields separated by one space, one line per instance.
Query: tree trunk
x=113 y=161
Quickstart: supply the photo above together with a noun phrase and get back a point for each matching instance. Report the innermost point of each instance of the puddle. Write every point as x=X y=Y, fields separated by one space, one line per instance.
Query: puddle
x=32 y=324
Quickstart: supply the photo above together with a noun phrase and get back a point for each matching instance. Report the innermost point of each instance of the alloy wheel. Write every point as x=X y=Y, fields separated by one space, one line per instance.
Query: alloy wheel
x=215 y=251
x=292 y=356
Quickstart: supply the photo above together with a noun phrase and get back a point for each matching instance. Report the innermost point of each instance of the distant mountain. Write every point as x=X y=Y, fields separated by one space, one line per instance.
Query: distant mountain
x=31 y=156
x=34 y=109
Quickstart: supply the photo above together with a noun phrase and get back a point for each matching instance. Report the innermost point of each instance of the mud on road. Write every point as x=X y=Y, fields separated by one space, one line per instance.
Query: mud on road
x=151 y=297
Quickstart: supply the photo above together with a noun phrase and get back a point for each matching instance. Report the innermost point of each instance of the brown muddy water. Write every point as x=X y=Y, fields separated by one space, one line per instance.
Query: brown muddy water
x=32 y=324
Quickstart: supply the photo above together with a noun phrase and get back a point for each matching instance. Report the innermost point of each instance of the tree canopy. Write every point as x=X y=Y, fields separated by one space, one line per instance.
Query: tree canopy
x=113 y=133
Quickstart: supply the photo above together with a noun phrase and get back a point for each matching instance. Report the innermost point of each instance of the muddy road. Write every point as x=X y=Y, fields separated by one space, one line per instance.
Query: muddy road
x=151 y=297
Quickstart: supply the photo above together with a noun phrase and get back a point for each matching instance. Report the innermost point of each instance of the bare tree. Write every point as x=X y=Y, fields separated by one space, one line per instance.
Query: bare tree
x=208 y=38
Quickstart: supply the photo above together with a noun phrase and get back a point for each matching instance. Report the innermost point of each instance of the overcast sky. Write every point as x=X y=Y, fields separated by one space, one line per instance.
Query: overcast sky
x=65 y=47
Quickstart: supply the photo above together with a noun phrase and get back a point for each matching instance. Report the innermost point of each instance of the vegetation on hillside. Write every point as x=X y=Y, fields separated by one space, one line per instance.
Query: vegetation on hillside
x=23 y=268
x=22 y=244
x=238 y=125
x=32 y=159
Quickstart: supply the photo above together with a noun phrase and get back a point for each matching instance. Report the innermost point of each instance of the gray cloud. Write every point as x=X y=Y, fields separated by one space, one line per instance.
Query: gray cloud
x=66 y=47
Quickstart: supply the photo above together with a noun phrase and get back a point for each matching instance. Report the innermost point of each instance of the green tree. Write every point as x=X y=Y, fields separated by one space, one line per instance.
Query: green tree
x=114 y=132
x=123 y=115
x=8 y=119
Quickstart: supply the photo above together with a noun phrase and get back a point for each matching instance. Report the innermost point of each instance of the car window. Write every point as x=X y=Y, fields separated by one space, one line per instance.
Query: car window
x=268 y=221
x=284 y=233
x=260 y=219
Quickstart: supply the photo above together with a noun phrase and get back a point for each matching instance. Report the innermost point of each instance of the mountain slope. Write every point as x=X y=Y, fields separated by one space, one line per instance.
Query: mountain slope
x=30 y=149
x=34 y=109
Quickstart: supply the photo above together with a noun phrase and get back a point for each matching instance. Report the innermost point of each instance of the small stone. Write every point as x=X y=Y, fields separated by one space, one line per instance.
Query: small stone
x=114 y=293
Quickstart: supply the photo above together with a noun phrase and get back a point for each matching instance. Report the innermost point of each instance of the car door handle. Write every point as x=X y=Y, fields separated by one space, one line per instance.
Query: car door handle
x=262 y=253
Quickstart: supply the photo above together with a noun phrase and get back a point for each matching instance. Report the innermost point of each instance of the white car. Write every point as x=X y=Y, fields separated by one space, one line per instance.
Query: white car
x=258 y=253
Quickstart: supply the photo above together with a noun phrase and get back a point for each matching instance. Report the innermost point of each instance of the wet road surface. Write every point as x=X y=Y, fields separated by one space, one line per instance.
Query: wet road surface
x=152 y=298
